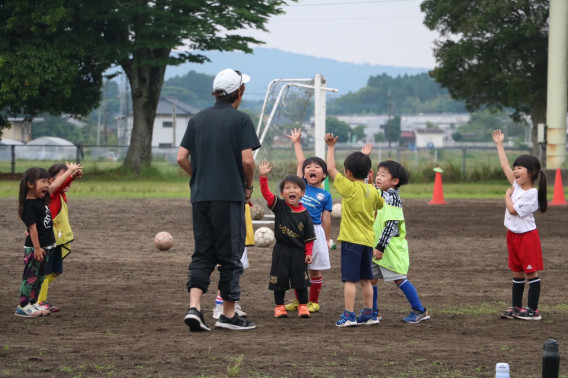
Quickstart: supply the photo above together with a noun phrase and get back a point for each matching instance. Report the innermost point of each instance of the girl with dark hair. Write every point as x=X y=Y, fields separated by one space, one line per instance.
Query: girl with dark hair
x=522 y=199
x=33 y=210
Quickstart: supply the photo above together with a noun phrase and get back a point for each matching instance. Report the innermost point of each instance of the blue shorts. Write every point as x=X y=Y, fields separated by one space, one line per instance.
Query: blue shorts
x=356 y=262
x=54 y=263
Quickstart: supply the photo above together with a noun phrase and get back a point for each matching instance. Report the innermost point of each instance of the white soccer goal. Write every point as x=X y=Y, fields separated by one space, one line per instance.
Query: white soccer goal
x=290 y=100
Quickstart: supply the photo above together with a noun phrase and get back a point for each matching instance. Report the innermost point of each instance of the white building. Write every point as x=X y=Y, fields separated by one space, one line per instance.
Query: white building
x=169 y=125
x=431 y=138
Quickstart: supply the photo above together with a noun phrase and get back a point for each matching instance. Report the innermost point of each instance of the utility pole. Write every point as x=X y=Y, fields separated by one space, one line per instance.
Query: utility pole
x=389 y=126
x=105 y=108
x=174 y=122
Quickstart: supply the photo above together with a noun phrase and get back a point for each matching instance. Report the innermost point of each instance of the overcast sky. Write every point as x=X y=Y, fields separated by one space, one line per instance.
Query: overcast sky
x=386 y=32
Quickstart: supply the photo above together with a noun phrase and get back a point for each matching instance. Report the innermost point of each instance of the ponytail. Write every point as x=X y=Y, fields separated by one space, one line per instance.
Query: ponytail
x=542 y=201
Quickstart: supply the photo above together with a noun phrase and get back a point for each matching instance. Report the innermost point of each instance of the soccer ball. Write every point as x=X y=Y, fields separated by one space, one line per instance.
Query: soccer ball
x=163 y=241
x=256 y=212
x=336 y=210
x=263 y=237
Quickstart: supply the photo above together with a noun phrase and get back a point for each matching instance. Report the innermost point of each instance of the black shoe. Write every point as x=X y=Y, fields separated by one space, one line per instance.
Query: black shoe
x=236 y=323
x=194 y=320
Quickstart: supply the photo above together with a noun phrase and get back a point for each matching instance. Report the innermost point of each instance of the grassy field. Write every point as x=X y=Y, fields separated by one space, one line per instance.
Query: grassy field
x=167 y=180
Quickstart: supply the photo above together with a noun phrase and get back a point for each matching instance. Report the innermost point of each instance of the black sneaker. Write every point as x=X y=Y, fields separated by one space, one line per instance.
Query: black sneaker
x=194 y=320
x=510 y=312
x=236 y=323
x=528 y=314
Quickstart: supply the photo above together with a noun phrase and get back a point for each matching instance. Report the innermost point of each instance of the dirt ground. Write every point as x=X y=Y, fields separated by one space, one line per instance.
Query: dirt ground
x=123 y=303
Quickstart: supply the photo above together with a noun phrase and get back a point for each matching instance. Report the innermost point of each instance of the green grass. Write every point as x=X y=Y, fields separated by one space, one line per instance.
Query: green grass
x=167 y=180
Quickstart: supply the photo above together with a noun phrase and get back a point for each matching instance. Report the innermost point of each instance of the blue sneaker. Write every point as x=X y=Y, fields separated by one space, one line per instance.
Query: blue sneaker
x=377 y=314
x=416 y=316
x=367 y=317
x=347 y=319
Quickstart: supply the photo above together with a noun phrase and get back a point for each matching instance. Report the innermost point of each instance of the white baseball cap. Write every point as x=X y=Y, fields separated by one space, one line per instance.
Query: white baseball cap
x=229 y=80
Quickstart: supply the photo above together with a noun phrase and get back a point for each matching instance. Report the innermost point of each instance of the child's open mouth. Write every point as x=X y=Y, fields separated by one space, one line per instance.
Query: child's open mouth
x=312 y=175
x=292 y=196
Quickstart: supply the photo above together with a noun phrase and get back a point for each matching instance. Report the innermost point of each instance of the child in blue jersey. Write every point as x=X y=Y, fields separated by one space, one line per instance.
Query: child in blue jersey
x=390 y=256
x=319 y=203
x=358 y=205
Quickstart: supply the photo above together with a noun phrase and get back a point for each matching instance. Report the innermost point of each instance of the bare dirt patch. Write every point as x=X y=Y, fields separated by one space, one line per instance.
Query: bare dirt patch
x=123 y=302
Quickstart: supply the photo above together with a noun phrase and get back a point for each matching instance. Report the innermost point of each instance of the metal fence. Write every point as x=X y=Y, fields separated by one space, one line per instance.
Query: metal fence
x=17 y=158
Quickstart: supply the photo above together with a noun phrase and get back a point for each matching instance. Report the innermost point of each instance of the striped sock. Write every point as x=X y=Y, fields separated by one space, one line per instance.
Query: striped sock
x=315 y=289
x=218 y=301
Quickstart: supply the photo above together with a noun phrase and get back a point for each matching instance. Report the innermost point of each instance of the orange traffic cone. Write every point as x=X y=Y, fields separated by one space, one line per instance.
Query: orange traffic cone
x=558 y=197
x=438 y=197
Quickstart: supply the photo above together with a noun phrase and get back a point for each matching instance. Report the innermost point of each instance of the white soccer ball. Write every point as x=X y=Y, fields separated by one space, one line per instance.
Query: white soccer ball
x=336 y=210
x=256 y=212
x=163 y=241
x=263 y=237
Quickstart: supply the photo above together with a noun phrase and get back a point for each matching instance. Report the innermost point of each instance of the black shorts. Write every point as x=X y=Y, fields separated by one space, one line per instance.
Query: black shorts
x=219 y=234
x=54 y=262
x=289 y=269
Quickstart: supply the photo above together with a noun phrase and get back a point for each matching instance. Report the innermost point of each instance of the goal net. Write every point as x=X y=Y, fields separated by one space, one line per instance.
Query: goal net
x=287 y=105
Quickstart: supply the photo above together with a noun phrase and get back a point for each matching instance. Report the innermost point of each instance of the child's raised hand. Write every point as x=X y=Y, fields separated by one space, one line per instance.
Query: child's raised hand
x=498 y=136
x=264 y=167
x=367 y=149
x=330 y=139
x=295 y=135
x=73 y=167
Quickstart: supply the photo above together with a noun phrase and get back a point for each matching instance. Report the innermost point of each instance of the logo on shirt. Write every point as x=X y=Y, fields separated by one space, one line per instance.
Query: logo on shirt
x=320 y=196
x=47 y=219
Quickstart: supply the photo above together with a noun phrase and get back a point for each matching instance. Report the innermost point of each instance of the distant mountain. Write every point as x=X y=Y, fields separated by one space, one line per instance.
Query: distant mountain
x=267 y=64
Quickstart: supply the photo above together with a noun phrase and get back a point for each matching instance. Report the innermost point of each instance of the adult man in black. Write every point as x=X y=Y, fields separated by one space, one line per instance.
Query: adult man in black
x=216 y=151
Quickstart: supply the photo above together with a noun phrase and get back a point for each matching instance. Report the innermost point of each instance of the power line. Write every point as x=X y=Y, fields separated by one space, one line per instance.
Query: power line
x=349 y=3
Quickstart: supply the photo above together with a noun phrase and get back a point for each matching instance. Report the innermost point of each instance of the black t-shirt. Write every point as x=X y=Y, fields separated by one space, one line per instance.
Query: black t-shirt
x=36 y=211
x=292 y=227
x=215 y=138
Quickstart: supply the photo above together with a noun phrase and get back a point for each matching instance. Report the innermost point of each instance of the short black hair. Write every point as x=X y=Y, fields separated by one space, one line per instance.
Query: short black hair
x=294 y=179
x=358 y=164
x=396 y=171
x=229 y=98
x=315 y=160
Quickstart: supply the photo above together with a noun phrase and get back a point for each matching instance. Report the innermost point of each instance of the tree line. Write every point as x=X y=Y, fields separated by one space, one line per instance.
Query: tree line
x=55 y=55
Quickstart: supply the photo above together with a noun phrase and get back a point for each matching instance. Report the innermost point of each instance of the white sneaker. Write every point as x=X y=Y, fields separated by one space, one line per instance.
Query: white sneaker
x=28 y=311
x=239 y=311
x=42 y=308
x=217 y=310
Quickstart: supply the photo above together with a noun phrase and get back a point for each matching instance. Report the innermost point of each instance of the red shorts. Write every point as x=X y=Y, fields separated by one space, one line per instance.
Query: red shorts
x=525 y=252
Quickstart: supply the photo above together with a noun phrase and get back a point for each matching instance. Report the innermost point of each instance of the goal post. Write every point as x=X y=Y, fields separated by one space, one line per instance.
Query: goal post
x=315 y=87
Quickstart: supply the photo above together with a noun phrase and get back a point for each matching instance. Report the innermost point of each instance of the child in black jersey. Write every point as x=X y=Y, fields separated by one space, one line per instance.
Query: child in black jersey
x=33 y=210
x=294 y=234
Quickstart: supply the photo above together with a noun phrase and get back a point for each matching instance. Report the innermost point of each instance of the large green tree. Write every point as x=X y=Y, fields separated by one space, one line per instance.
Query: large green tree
x=44 y=67
x=143 y=37
x=493 y=54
